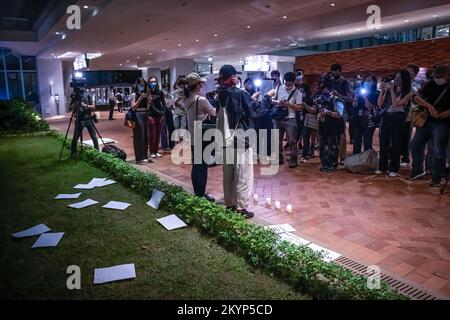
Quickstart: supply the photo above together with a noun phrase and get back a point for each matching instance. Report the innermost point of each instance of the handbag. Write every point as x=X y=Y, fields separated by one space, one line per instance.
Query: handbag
x=419 y=115
x=279 y=113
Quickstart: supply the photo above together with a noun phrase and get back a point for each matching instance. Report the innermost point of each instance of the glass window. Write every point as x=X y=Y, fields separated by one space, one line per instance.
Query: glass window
x=3 y=95
x=31 y=84
x=442 y=31
x=15 y=85
x=28 y=63
x=12 y=62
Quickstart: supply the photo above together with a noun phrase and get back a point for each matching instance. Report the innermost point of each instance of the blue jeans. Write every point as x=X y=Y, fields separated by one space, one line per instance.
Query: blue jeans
x=437 y=132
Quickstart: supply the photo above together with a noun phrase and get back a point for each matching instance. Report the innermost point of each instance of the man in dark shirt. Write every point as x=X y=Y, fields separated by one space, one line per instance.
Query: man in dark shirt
x=83 y=113
x=342 y=90
x=437 y=94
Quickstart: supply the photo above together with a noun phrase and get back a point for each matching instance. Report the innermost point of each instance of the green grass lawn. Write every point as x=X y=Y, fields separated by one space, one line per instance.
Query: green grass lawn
x=180 y=264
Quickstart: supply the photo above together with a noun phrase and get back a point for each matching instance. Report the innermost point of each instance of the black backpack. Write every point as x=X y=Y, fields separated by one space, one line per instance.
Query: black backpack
x=115 y=151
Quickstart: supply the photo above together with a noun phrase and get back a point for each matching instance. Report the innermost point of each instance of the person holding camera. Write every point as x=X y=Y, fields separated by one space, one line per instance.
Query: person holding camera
x=364 y=109
x=140 y=106
x=287 y=96
x=331 y=118
x=84 y=105
x=157 y=109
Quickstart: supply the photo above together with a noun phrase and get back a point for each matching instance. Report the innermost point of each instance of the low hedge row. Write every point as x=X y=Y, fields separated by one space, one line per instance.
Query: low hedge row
x=299 y=266
x=16 y=116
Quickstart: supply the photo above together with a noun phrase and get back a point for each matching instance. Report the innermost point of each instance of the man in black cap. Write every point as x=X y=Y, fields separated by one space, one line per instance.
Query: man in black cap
x=233 y=117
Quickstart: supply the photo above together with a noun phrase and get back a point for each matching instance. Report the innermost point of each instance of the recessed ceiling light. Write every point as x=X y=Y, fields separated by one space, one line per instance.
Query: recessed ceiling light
x=332 y=4
x=138 y=57
x=149 y=53
x=56 y=32
x=179 y=44
x=53 y=54
x=216 y=35
x=284 y=17
x=128 y=61
x=339 y=32
x=248 y=27
x=435 y=16
x=197 y=40
x=85 y=7
x=120 y=64
x=406 y=21
x=163 y=50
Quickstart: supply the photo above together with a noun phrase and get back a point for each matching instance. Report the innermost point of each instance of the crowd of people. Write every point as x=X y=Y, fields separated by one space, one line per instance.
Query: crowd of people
x=308 y=119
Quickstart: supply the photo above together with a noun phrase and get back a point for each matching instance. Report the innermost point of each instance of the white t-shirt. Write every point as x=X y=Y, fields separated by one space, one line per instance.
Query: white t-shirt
x=283 y=94
x=204 y=109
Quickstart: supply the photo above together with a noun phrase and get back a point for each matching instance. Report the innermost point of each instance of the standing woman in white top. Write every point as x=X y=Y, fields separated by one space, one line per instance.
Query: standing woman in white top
x=197 y=109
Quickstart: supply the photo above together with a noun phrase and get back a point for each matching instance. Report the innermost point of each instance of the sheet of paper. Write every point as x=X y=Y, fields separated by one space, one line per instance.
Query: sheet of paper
x=116 y=205
x=156 y=198
x=281 y=228
x=84 y=186
x=83 y=204
x=328 y=255
x=105 y=183
x=68 y=196
x=33 y=231
x=115 y=273
x=172 y=222
x=106 y=140
x=292 y=238
x=91 y=185
x=48 y=240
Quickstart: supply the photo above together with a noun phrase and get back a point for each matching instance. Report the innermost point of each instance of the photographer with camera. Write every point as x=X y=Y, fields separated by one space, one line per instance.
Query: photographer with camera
x=331 y=117
x=364 y=109
x=82 y=105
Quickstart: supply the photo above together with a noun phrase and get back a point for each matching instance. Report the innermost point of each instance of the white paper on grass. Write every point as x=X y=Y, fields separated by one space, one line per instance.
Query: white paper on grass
x=115 y=273
x=91 y=185
x=83 y=204
x=48 y=240
x=282 y=228
x=106 y=140
x=172 y=222
x=116 y=205
x=156 y=198
x=33 y=231
x=68 y=196
x=84 y=186
x=328 y=255
x=292 y=238
x=105 y=183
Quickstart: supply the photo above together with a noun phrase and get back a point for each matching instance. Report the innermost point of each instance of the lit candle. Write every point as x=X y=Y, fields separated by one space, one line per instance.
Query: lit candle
x=289 y=208
x=255 y=197
x=268 y=201
x=277 y=205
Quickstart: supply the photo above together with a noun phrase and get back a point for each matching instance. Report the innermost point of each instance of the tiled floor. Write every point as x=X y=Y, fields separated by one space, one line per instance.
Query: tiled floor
x=404 y=228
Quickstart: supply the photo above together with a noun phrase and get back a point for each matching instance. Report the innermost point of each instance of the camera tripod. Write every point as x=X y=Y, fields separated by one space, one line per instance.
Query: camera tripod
x=76 y=110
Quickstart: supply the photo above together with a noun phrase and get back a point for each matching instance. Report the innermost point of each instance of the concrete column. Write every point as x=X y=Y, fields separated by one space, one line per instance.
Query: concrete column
x=51 y=84
x=285 y=67
x=152 y=72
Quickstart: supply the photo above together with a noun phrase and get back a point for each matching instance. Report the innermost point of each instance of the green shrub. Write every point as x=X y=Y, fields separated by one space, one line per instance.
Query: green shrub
x=299 y=266
x=16 y=116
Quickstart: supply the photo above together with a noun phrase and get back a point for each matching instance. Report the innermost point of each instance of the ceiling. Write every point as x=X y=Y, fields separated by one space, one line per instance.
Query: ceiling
x=148 y=33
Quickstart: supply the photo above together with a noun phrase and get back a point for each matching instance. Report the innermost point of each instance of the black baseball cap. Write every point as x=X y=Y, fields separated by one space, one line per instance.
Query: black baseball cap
x=227 y=71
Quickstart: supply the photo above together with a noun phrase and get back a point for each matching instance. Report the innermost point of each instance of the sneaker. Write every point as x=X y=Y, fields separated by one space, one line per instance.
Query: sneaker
x=145 y=161
x=404 y=164
x=209 y=198
x=158 y=155
x=393 y=175
x=247 y=214
x=303 y=160
x=378 y=172
x=153 y=155
x=323 y=169
x=331 y=170
x=435 y=184
x=293 y=164
x=416 y=177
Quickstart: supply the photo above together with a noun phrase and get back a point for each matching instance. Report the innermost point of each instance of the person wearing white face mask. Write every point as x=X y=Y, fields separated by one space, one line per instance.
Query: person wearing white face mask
x=289 y=97
x=436 y=94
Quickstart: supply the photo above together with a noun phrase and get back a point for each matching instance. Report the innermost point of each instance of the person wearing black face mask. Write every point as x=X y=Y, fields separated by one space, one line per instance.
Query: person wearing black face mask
x=140 y=105
x=343 y=90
